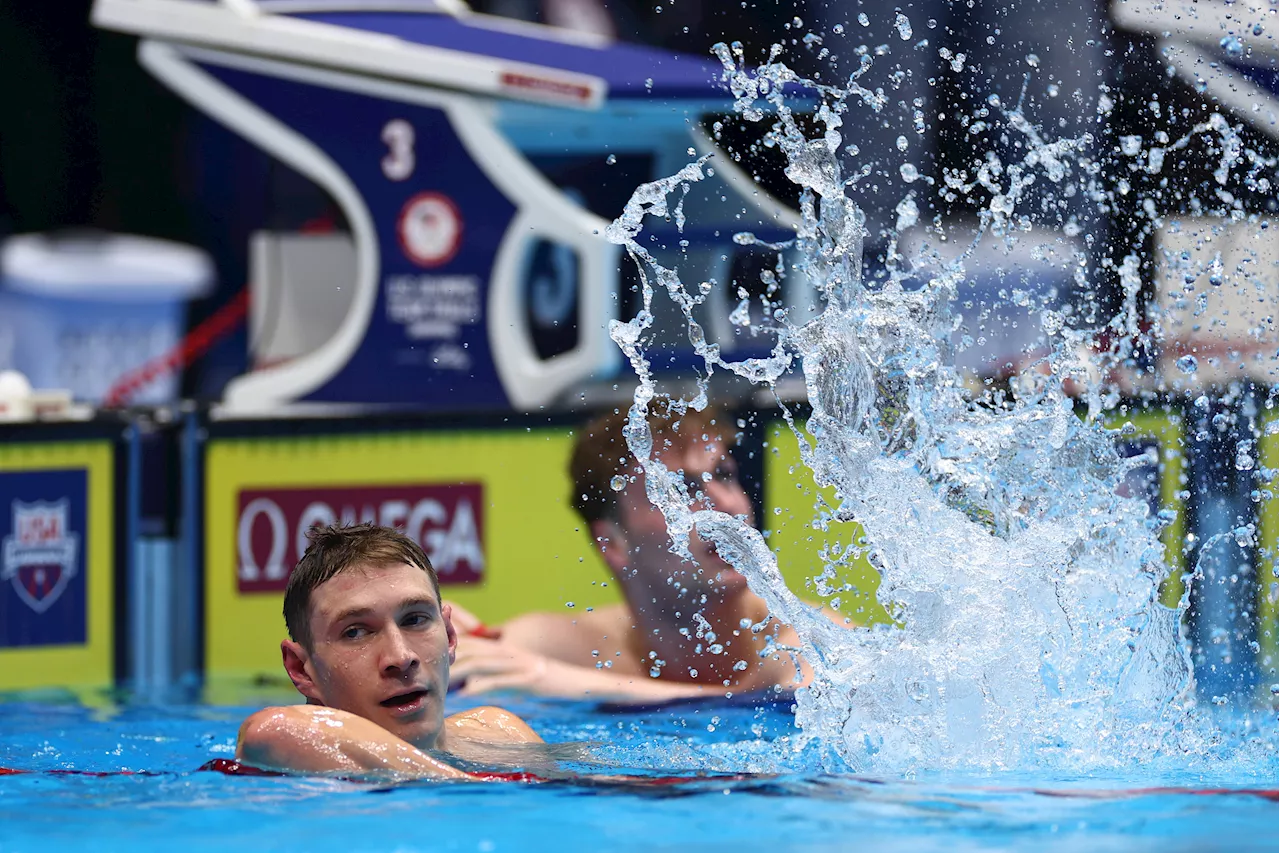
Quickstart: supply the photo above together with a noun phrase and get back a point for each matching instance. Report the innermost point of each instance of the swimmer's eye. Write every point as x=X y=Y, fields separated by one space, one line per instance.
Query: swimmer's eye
x=415 y=620
x=694 y=486
x=354 y=632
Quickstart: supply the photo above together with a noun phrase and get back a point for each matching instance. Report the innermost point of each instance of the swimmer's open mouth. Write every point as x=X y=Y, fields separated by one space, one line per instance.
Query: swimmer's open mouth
x=403 y=700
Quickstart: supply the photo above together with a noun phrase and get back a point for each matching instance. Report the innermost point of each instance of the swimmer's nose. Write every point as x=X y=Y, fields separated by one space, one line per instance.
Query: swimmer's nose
x=730 y=498
x=397 y=654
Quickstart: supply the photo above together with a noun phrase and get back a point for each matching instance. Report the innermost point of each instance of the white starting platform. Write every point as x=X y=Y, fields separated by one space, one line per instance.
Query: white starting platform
x=466 y=279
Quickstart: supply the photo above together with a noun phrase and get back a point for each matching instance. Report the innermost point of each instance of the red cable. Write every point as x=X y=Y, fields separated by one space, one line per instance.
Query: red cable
x=198 y=341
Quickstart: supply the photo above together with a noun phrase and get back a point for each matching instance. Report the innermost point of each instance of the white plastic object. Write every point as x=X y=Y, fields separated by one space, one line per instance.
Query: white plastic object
x=15 y=396
x=80 y=311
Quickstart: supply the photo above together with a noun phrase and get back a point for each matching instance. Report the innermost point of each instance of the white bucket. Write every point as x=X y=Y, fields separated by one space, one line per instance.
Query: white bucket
x=79 y=312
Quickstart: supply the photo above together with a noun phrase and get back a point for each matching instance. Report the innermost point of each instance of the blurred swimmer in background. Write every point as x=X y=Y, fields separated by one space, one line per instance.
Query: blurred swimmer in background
x=683 y=629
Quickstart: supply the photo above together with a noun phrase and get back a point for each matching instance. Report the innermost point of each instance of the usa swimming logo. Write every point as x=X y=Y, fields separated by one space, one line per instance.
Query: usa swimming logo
x=39 y=556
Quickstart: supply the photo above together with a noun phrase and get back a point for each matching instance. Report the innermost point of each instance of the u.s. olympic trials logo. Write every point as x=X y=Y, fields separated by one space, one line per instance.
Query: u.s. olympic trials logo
x=39 y=556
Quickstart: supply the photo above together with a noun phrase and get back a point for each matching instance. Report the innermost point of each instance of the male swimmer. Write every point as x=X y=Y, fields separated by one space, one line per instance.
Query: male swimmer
x=370 y=646
x=651 y=647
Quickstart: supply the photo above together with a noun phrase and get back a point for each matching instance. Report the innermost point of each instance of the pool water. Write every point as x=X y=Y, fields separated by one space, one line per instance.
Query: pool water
x=746 y=790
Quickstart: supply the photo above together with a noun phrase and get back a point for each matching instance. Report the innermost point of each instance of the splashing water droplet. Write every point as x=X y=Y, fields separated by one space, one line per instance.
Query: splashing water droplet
x=618 y=483
x=979 y=670
x=903 y=25
x=1033 y=60
x=1232 y=46
x=1188 y=364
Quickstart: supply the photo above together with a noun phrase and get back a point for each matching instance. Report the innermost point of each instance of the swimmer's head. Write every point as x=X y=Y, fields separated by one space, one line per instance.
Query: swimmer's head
x=631 y=532
x=336 y=549
x=600 y=453
x=370 y=634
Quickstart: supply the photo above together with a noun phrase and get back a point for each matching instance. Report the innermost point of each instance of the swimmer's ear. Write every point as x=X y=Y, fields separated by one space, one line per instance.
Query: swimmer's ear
x=446 y=613
x=608 y=535
x=297 y=663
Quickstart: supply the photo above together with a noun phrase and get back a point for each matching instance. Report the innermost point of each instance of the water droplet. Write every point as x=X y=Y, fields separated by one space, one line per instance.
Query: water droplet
x=909 y=172
x=1053 y=90
x=1052 y=322
x=611 y=159
x=863 y=19
x=1188 y=364
x=1244 y=455
x=1131 y=145
x=904 y=26
x=1033 y=60
x=1219 y=700
x=838 y=29
x=1232 y=46
x=618 y=483
x=902 y=143
x=908 y=214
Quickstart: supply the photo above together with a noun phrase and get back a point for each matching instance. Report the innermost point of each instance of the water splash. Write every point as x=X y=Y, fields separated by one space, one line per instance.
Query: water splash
x=1023 y=583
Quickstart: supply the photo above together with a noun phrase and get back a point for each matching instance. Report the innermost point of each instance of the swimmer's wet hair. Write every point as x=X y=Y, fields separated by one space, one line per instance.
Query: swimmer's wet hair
x=600 y=453
x=339 y=548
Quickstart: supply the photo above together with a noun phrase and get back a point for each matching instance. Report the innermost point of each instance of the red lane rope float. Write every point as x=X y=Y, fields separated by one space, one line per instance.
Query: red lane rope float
x=231 y=767
x=198 y=341
x=13 y=771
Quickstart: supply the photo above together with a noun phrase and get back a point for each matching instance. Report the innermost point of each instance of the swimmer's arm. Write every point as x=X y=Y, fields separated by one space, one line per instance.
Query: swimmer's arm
x=487 y=665
x=572 y=639
x=489 y=724
x=313 y=739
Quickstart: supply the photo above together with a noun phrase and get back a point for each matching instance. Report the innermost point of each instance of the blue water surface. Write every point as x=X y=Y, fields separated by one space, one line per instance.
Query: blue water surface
x=747 y=790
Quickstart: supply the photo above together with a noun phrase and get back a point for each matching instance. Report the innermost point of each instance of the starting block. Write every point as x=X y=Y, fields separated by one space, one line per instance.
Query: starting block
x=463 y=151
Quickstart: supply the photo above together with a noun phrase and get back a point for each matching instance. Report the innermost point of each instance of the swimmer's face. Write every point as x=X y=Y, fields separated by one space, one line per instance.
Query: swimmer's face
x=382 y=645
x=711 y=479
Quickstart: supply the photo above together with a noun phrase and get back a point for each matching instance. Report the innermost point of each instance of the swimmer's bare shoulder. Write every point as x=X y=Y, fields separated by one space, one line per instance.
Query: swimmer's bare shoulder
x=581 y=638
x=315 y=739
x=489 y=724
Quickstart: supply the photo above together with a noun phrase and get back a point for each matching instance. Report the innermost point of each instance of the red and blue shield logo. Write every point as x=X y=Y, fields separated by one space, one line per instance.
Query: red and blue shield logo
x=42 y=557
x=39 y=557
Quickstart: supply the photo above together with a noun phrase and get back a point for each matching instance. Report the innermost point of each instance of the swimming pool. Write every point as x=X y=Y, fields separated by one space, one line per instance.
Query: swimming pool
x=747 y=790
